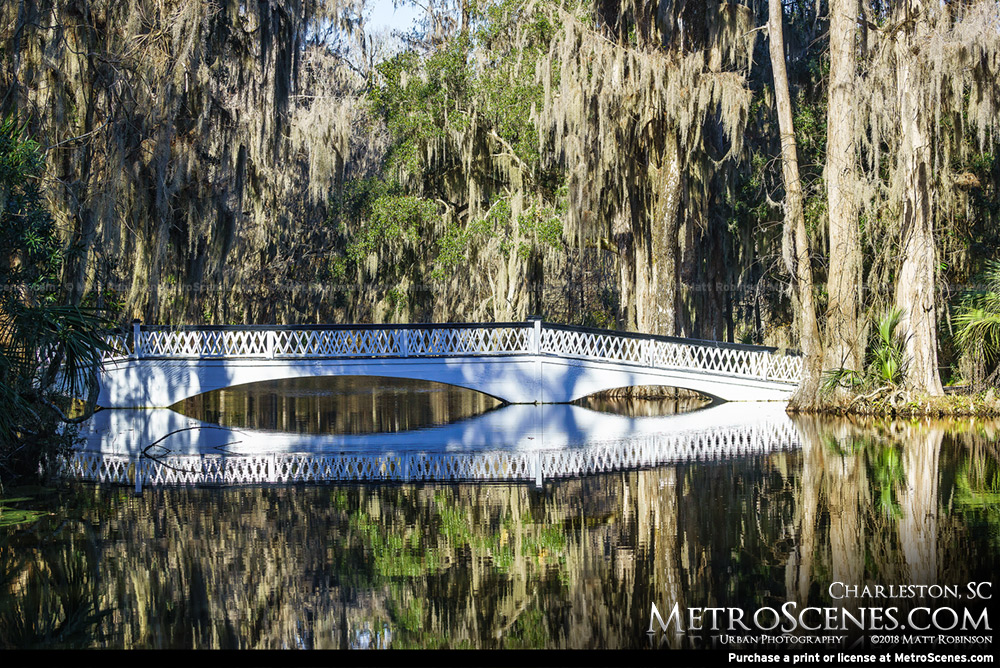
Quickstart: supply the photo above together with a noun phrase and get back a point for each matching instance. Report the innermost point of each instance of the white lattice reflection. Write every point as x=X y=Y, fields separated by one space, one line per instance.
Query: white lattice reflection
x=516 y=443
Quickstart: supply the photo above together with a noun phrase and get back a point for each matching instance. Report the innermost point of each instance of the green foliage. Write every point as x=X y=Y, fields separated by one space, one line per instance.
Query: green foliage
x=373 y=215
x=977 y=319
x=542 y=226
x=10 y=516
x=977 y=494
x=885 y=359
x=390 y=555
x=48 y=352
x=354 y=200
x=457 y=245
x=452 y=250
x=810 y=139
x=419 y=99
x=886 y=354
x=483 y=80
x=887 y=474
x=391 y=218
x=461 y=125
x=48 y=597
x=505 y=87
x=31 y=255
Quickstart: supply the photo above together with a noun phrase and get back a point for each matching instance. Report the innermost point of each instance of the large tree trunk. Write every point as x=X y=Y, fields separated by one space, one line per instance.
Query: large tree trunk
x=843 y=340
x=796 y=240
x=915 y=292
x=658 y=313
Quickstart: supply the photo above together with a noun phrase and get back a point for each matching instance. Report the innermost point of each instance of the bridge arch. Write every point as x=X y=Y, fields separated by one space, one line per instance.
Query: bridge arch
x=382 y=382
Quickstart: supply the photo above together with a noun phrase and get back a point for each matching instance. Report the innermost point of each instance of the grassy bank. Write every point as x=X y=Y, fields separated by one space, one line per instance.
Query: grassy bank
x=899 y=403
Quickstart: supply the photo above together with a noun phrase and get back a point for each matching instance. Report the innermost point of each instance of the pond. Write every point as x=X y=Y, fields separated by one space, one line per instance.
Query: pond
x=713 y=517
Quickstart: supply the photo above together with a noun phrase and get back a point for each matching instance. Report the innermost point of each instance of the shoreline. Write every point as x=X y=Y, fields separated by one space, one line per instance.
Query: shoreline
x=985 y=404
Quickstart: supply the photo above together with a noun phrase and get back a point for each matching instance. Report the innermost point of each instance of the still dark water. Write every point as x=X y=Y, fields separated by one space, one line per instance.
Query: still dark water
x=576 y=564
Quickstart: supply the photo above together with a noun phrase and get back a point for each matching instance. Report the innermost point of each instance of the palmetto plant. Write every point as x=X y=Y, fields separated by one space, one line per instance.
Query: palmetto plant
x=886 y=353
x=885 y=359
x=977 y=321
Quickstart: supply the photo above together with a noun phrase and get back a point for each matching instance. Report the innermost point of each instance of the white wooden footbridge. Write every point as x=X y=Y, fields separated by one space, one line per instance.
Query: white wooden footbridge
x=525 y=362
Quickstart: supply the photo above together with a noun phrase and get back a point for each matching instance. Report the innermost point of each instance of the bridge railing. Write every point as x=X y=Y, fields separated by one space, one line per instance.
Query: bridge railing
x=671 y=352
x=294 y=342
x=119 y=346
x=533 y=337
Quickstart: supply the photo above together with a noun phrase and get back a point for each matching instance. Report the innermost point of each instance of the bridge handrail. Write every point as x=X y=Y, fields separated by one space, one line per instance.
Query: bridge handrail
x=756 y=362
x=452 y=339
x=120 y=346
x=710 y=443
x=662 y=337
x=342 y=327
x=326 y=341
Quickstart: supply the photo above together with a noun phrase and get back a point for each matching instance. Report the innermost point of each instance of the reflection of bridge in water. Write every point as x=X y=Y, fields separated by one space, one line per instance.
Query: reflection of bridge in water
x=528 y=362
x=514 y=443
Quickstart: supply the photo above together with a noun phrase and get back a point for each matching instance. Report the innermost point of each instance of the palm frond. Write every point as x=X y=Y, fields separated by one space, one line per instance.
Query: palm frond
x=975 y=326
x=991 y=276
x=55 y=346
x=887 y=352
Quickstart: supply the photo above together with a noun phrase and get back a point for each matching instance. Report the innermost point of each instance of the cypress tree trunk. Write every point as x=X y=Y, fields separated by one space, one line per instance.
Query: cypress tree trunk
x=843 y=340
x=796 y=240
x=657 y=312
x=915 y=292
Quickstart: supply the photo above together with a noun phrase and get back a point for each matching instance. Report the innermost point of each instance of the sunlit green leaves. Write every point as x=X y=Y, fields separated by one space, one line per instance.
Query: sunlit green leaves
x=29 y=250
x=10 y=516
x=421 y=99
x=391 y=217
x=885 y=356
x=977 y=320
x=542 y=226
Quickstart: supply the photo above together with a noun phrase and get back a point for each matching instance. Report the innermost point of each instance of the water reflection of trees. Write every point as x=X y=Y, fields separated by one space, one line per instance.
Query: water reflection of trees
x=577 y=565
x=49 y=595
x=342 y=405
x=887 y=491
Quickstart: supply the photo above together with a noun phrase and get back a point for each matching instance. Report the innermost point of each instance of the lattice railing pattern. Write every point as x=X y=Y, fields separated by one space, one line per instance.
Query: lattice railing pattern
x=360 y=342
x=120 y=347
x=206 y=343
x=655 y=353
x=477 y=341
x=640 y=452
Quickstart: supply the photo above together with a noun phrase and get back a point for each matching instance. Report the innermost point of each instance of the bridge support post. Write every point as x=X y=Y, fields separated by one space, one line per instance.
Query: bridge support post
x=136 y=339
x=536 y=349
x=403 y=342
